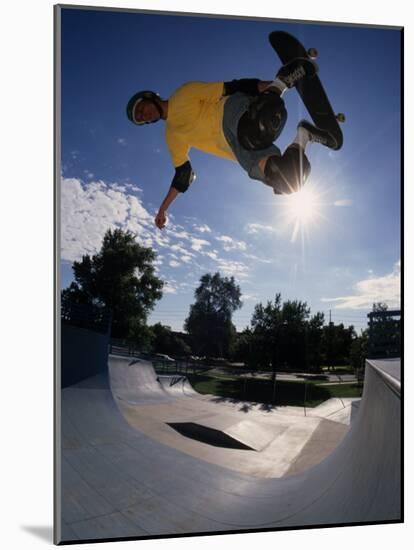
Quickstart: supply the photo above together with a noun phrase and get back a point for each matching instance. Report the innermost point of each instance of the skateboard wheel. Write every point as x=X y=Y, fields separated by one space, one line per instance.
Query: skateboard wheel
x=313 y=53
x=340 y=117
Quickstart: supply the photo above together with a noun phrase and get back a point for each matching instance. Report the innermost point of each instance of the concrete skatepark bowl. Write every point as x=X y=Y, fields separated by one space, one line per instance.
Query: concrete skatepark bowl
x=124 y=475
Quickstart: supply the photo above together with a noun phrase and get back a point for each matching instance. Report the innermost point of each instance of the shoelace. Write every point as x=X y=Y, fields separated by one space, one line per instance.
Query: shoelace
x=319 y=139
x=298 y=73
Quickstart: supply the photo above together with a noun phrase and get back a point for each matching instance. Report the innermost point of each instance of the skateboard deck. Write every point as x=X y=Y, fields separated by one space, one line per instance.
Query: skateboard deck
x=311 y=90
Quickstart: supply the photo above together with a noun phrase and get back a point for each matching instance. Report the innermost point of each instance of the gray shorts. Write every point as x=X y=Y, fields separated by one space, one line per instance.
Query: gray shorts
x=236 y=105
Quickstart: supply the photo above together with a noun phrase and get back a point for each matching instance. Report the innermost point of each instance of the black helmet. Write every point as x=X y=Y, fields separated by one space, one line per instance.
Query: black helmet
x=136 y=98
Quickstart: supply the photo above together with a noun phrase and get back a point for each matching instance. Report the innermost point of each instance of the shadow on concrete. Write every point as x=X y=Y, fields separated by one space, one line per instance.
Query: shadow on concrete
x=207 y=435
x=354 y=410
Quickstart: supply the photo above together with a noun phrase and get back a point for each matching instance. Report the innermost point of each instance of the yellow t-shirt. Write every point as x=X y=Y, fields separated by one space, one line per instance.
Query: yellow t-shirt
x=195 y=117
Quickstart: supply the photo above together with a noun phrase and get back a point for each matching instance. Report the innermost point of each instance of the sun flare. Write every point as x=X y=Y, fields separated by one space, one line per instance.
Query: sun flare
x=303 y=209
x=303 y=205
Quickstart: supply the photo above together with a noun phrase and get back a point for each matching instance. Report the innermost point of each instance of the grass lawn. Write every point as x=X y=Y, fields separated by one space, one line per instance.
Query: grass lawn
x=261 y=391
x=339 y=369
x=345 y=390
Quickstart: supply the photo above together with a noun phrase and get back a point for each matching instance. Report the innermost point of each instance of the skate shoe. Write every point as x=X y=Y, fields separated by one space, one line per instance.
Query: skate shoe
x=318 y=135
x=291 y=73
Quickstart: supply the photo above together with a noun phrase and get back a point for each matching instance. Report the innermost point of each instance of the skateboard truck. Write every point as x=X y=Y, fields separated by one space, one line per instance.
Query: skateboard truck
x=313 y=54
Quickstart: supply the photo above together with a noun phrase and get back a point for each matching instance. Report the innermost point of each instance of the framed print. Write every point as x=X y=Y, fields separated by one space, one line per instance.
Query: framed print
x=229 y=317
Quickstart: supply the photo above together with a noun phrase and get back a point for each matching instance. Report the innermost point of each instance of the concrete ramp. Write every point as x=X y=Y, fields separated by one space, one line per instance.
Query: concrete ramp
x=251 y=433
x=237 y=433
x=177 y=385
x=117 y=482
x=135 y=381
x=336 y=409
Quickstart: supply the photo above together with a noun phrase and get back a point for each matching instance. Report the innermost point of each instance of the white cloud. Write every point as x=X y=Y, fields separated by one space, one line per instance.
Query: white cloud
x=171 y=230
x=198 y=244
x=202 y=228
x=231 y=244
x=236 y=269
x=169 y=288
x=254 y=228
x=212 y=255
x=343 y=202
x=161 y=240
x=88 y=174
x=90 y=208
x=228 y=266
x=133 y=187
x=88 y=211
x=122 y=141
x=385 y=289
x=257 y=259
x=179 y=247
x=250 y=297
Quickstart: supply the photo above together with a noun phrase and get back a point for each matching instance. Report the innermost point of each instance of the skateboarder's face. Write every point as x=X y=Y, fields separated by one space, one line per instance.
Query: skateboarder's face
x=146 y=111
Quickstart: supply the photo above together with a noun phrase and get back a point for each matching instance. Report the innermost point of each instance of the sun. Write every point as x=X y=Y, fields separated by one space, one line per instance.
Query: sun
x=303 y=206
x=303 y=209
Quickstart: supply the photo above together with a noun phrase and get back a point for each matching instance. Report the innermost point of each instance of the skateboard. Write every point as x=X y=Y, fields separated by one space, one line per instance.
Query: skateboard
x=310 y=90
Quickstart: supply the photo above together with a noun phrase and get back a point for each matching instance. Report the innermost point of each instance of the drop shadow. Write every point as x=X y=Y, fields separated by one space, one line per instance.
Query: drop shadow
x=42 y=532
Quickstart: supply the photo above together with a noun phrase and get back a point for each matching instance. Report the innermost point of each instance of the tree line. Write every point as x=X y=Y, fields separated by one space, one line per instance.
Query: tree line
x=122 y=278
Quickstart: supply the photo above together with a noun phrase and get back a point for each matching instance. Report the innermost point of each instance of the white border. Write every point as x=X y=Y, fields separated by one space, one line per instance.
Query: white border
x=27 y=266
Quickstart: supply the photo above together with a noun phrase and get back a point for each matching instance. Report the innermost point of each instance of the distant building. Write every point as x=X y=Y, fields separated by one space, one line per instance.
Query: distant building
x=384 y=334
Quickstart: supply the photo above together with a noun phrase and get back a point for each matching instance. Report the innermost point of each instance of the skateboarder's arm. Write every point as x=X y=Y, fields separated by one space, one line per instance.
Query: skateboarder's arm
x=249 y=86
x=182 y=180
x=161 y=217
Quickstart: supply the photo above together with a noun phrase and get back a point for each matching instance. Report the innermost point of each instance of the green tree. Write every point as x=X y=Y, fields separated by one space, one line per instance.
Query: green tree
x=241 y=348
x=358 y=352
x=166 y=341
x=293 y=345
x=140 y=336
x=283 y=335
x=266 y=325
x=120 y=277
x=336 y=343
x=314 y=341
x=209 y=323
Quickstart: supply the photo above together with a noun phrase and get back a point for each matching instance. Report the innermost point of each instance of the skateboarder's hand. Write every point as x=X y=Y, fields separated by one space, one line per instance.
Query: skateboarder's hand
x=160 y=219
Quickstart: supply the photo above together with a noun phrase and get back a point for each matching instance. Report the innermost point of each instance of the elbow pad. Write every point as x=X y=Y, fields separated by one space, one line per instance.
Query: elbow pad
x=246 y=85
x=184 y=177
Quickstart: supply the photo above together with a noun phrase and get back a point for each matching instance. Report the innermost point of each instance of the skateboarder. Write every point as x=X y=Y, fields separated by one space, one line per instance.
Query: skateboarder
x=237 y=120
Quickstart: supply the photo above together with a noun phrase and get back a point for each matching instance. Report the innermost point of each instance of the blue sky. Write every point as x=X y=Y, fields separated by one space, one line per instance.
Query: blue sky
x=115 y=174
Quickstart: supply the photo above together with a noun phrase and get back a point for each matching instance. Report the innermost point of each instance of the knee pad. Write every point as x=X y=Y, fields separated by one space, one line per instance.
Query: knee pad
x=288 y=173
x=263 y=122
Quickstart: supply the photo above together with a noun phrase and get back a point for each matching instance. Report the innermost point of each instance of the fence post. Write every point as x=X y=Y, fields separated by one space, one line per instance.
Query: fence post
x=304 y=398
